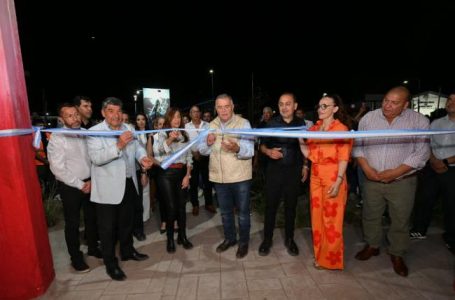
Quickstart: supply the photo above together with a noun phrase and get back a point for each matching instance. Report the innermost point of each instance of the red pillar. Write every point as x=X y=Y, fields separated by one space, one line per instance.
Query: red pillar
x=26 y=268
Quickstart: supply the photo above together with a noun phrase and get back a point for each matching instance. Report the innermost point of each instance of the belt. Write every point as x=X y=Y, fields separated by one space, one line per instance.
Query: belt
x=403 y=177
x=177 y=166
x=407 y=176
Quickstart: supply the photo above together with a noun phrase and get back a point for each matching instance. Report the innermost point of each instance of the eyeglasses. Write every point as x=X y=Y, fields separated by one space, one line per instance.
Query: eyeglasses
x=323 y=106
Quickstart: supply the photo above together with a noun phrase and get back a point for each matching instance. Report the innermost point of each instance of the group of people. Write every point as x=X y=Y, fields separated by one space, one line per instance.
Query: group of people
x=102 y=169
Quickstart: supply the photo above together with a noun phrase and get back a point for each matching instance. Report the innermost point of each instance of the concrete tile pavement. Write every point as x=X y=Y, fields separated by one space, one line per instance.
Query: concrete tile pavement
x=201 y=273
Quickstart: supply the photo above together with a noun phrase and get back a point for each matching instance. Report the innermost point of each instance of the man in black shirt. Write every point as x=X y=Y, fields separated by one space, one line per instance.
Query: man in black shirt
x=84 y=107
x=285 y=169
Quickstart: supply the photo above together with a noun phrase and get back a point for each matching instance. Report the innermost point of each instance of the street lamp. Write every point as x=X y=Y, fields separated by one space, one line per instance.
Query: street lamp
x=135 y=96
x=211 y=74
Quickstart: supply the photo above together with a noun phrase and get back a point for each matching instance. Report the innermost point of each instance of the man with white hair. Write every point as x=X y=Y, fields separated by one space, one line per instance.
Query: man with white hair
x=230 y=169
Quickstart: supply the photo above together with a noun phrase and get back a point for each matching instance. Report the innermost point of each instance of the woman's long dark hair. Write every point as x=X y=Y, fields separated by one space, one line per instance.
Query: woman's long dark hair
x=341 y=114
x=146 y=121
x=168 y=118
x=147 y=127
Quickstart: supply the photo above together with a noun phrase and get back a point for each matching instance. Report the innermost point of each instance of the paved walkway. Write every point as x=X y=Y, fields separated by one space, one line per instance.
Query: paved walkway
x=201 y=273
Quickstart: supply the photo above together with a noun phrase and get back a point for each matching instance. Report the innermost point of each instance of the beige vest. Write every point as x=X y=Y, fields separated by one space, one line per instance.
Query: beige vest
x=224 y=166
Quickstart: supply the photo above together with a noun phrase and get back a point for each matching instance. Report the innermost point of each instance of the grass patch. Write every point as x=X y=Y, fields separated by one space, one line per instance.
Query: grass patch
x=52 y=207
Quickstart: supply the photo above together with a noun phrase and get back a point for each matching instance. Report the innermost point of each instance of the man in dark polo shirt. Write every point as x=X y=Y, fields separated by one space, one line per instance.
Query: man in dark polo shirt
x=284 y=171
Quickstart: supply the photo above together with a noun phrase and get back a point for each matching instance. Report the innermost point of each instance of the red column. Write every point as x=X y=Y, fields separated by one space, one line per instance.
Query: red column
x=26 y=268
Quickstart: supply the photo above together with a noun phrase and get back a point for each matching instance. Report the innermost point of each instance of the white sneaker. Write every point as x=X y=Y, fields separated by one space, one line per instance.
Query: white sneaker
x=415 y=235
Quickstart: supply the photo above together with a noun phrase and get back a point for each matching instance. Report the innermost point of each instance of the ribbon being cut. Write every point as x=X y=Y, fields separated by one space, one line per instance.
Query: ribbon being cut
x=295 y=132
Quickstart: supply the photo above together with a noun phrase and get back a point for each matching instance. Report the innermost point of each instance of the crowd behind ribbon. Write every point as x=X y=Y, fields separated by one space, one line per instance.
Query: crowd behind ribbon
x=115 y=180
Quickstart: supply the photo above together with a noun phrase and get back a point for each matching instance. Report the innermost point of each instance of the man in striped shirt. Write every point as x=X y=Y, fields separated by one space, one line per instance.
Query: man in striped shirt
x=389 y=165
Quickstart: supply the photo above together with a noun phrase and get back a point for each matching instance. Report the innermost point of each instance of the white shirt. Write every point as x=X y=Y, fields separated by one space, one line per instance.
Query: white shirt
x=163 y=151
x=390 y=152
x=443 y=145
x=68 y=159
x=195 y=133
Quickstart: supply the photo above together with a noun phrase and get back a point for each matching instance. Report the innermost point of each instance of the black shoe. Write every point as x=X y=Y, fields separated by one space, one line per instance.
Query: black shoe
x=264 y=248
x=115 y=273
x=96 y=252
x=242 y=251
x=170 y=247
x=135 y=256
x=80 y=266
x=140 y=236
x=293 y=250
x=182 y=240
x=225 y=245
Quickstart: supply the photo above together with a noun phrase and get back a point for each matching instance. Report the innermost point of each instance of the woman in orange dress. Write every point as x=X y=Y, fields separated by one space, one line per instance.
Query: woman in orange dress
x=328 y=186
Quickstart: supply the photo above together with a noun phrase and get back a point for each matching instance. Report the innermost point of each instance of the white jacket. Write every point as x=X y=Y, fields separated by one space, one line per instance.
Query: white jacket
x=109 y=167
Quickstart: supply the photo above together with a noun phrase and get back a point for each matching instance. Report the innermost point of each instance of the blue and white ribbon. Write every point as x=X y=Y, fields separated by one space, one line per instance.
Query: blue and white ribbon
x=165 y=164
x=14 y=132
x=289 y=132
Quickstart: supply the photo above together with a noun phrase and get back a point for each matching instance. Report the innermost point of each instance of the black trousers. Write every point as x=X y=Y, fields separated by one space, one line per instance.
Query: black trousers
x=172 y=196
x=115 y=221
x=433 y=186
x=138 y=221
x=73 y=200
x=200 y=167
x=281 y=181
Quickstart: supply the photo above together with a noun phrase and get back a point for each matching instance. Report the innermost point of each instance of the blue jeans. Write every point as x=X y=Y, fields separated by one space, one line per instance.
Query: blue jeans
x=237 y=195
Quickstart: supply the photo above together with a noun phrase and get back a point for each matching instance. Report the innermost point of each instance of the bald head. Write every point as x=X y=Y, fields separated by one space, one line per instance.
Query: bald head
x=402 y=91
x=395 y=102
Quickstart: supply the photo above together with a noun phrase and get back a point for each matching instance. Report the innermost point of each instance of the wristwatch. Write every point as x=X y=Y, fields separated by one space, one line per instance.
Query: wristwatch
x=446 y=162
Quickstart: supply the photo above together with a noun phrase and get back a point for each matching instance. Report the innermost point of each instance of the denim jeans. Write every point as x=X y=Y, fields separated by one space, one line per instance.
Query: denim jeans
x=236 y=195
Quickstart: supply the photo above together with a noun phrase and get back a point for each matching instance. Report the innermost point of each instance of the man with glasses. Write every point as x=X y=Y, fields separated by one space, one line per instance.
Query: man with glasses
x=390 y=166
x=200 y=164
x=230 y=169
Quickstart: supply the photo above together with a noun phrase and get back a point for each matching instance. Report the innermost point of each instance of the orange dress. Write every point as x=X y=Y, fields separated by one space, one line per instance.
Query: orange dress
x=327 y=213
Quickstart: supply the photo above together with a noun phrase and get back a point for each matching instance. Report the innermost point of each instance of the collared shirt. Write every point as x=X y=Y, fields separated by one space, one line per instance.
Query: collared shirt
x=129 y=170
x=290 y=147
x=246 y=144
x=163 y=151
x=89 y=124
x=195 y=133
x=443 y=145
x=68 y=159
x=389 y=153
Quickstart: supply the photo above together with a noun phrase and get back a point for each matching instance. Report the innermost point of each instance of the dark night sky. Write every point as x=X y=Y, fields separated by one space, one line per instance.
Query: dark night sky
x=309 y=49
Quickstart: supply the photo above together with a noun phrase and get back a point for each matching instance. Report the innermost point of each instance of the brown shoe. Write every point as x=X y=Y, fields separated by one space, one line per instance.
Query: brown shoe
x=211 y=208
x=398 y=265
x=196 y=211
x=367 y=253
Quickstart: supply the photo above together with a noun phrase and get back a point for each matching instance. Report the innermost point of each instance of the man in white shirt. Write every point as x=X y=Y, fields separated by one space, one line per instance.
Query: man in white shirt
x=390 y=166
x=438 y=179
x=70 y=164
x=200 y=164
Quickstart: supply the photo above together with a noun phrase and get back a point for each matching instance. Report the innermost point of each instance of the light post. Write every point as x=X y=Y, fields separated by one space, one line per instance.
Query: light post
x=135 y=96
x=135 y=104
x=211 y=74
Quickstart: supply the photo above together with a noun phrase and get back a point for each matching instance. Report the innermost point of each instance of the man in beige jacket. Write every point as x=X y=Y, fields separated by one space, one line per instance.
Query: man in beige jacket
x=230 y=169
